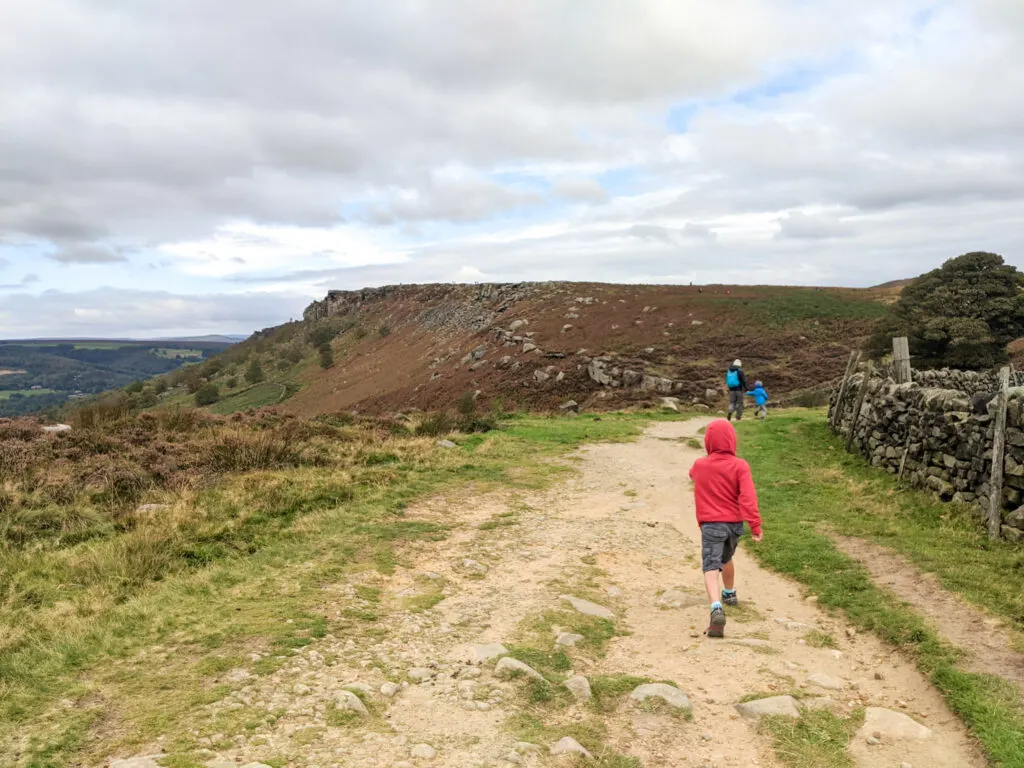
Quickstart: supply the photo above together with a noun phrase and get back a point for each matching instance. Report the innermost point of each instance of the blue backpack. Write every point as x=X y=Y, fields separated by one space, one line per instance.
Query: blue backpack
x=732 y=379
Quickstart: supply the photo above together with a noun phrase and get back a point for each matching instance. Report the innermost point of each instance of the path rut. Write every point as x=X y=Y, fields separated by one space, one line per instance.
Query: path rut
x=624 y=524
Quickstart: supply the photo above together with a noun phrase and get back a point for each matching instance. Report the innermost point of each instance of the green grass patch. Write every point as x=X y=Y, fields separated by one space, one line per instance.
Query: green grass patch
x=422 y=602
x=818 y=738
x=806 y=481
x=818 y=639
x=257 y=396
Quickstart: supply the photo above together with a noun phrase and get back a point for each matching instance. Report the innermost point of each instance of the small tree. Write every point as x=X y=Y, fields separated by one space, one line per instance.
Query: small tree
x=134 y=388
x=961 y=315
x=326 y=356
x=254 y=373
x=208 y=394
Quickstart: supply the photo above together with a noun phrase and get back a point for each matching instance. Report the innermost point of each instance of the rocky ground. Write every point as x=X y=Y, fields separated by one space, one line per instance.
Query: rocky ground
x=428 y=677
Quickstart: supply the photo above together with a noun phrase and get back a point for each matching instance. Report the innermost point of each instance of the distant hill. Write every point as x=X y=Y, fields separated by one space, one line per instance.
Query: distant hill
x=39 y=374
x=213 y=338
x=536 y=346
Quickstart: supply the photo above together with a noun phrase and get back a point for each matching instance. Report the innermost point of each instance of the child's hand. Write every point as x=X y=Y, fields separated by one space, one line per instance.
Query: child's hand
x=757 y=536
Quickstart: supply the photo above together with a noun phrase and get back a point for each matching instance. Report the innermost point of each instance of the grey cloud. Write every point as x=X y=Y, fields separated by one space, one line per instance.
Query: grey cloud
x=462 y=198
x=86 y=254
x=803 y=226
x=580 y=189
x=30 y=278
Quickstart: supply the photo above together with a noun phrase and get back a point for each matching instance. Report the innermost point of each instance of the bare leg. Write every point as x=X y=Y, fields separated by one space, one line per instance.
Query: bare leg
x=711 y=583
x=728 y=575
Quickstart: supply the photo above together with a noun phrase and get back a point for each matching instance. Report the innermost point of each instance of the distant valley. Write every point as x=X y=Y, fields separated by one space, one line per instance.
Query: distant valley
x=39 y=374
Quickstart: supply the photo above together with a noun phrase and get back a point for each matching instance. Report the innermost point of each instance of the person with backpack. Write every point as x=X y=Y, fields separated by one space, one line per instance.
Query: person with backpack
x=761 y=398
x=737 y=384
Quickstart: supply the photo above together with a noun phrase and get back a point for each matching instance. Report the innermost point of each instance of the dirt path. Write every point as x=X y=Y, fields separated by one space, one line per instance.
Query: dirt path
x=622 y=530
x=986 y=640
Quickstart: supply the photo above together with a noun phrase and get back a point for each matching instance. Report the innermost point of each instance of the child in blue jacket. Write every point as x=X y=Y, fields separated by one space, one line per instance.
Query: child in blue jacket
x=761 y=398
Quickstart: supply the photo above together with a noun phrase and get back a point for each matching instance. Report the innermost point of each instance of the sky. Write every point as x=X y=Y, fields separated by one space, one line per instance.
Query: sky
x=194 y=167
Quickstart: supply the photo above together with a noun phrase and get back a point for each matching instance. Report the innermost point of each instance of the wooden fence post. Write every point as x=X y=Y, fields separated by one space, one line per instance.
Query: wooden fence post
x=851 y=366
x=859 y=403
x=901 y=360
x=995 y=483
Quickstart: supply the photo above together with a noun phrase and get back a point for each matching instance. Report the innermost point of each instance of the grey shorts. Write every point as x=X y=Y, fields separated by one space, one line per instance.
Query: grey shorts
x=718 y=543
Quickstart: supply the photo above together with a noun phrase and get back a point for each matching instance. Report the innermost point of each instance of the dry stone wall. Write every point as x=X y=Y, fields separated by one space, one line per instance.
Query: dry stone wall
x=940 y=429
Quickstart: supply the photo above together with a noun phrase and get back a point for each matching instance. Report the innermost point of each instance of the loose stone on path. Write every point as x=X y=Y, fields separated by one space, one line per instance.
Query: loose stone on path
x=569 y=746
x=568 y=639
x=822 y=680
x=667 y=693
x=588 y=608
x=419 y=674
x=489 y=651
x=423 y=752
x=774 y=705
x=509 y=667
x=892 y=725
x=346 y=701
x=579 y=687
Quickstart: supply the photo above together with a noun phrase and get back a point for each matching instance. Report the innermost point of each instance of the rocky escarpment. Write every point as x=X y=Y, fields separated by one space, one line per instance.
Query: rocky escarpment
x=541 y=344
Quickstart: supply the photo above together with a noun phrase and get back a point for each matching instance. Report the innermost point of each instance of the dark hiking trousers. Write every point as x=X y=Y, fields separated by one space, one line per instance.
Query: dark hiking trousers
x=736 y=402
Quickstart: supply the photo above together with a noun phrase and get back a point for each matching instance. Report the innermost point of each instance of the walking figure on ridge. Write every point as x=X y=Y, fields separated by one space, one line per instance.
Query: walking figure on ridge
x=725 y=497
x=736 y=381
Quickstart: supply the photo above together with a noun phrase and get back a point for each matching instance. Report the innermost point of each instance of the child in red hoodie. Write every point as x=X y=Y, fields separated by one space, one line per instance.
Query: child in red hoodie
x=724 y=491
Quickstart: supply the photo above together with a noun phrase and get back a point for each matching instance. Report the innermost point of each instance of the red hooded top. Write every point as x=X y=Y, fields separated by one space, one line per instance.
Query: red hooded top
x=722 y=485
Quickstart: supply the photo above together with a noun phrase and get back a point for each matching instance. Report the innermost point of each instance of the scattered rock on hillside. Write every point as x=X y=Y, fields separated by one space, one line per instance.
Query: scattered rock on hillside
x=588 y=608
x=528 y=347
x=58 y=428
x=774 y=705
x=579 y=687
x=891 y=725
x=515 y=325
x=570 y=407
x=540 y=376
x=446 y=444
x=670 y=403
x=474 y=566
x=569 y=746
x=667 y=693
x=390 y=690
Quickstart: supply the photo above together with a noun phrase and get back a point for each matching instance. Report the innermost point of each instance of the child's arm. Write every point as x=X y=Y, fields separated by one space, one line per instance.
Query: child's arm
x=748 y=501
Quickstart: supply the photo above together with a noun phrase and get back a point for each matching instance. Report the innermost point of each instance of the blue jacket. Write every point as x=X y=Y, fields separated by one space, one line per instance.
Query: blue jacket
x=759 y=395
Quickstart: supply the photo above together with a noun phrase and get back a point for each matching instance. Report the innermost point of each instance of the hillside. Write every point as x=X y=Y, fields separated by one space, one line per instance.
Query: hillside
x=538 y=345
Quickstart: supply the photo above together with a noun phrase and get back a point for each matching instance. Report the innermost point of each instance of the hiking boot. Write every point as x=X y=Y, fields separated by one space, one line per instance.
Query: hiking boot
x=717 y=626
x=730 y=598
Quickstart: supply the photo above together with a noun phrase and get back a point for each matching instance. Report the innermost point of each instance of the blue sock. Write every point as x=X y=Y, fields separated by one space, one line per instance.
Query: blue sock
x=728 y=591
x=716 y=606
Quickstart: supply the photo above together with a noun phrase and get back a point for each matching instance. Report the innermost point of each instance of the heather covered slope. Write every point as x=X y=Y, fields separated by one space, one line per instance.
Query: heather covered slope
x=533 y=345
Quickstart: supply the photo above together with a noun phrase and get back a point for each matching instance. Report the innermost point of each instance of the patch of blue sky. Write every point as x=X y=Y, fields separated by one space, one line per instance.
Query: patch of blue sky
x=797 y=77
x=623 y=181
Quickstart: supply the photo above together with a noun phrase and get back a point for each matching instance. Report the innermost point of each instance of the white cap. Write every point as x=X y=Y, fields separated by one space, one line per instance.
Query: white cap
x=737 y=363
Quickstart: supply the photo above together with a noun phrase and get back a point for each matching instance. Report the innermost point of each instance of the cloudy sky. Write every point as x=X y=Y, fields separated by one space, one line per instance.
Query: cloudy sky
x=197 y=166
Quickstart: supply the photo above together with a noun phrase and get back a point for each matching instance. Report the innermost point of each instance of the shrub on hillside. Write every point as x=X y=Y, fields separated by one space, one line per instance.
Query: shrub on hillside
x=254 y=373
x=159 y=386
x=134 y=388
x=326 y=356
x=384 y=331
x=207 y=395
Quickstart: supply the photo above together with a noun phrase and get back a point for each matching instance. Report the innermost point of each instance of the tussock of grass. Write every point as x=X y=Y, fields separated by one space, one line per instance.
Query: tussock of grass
x=844 y=492
x=818 y=639
x=818 y=738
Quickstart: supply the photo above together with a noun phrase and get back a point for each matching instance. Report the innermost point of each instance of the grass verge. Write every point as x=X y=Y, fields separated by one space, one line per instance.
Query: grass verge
x=805 y=480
